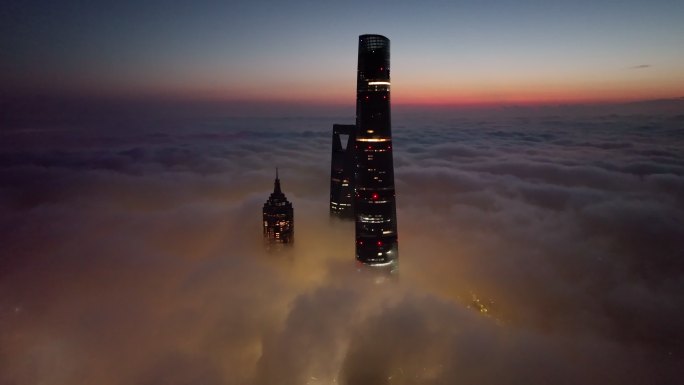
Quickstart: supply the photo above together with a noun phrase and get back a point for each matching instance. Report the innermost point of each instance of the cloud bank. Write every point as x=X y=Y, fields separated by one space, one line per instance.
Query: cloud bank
x=133 y=254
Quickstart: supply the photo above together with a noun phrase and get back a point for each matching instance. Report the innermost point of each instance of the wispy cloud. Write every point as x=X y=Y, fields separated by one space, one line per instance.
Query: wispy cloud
x=640 y=67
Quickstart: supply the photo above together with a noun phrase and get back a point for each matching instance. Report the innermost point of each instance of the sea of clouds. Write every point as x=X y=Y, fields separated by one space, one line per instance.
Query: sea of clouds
x=536 y=247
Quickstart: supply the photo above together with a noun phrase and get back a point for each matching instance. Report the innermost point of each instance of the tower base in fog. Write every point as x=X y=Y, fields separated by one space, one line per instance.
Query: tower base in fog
x=278 y=217
x=342 y=171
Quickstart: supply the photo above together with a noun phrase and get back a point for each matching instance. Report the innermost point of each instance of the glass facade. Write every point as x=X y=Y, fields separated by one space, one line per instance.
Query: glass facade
x=362 y=173
x=342 y=171
x=374 y=198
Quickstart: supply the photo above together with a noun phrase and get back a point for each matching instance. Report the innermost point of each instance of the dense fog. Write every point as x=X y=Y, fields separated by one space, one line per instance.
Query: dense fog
x=536 y=247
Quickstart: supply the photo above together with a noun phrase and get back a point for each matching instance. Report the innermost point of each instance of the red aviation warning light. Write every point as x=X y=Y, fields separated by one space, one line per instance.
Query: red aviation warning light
x=374 y=203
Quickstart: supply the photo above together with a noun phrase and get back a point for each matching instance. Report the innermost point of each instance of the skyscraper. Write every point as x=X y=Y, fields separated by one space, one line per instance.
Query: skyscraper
x=362 y=173
x=342 y=170
x=374 y=199
x=278 y=217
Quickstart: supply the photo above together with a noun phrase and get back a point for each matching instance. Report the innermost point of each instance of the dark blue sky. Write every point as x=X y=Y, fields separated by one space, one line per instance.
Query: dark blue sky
x=442 y=51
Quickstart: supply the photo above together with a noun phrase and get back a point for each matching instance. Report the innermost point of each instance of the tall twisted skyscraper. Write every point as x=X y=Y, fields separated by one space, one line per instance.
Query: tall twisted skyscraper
x=368 y=165
x=374 y=200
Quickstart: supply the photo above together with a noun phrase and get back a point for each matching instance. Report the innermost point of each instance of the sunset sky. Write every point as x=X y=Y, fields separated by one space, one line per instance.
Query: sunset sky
x=443 y=52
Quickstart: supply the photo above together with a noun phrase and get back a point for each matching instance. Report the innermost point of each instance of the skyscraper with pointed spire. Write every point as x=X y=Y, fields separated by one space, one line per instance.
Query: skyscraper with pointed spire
x=278 y=216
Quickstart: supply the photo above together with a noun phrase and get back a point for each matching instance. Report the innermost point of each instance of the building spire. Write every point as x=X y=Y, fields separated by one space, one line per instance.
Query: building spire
x=276 y=187
x=278 y=216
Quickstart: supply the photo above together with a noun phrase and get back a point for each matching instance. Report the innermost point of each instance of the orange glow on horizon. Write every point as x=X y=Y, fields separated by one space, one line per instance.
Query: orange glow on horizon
x=472 y=93
x=406 y=92
x=534 y=93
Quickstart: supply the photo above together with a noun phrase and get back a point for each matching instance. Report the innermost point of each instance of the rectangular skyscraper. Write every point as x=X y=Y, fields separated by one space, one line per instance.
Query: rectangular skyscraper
x=342 y=171
x=374 y=200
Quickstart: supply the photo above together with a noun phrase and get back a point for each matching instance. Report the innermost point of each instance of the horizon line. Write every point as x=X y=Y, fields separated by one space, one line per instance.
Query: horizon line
x=95 y=97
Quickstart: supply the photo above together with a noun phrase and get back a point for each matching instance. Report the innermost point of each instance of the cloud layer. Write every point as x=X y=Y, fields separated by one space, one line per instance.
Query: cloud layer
x=133 y=254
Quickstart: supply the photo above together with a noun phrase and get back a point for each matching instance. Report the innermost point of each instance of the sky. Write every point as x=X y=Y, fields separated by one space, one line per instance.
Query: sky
x=443 y=52
x=132 y=253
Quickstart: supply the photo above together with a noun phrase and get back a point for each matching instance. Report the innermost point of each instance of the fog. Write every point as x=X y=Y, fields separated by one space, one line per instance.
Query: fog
x=535 y=247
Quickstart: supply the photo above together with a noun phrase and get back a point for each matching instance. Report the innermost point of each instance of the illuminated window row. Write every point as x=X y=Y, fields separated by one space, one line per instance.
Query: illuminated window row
x=375 y=189
x=373 y=139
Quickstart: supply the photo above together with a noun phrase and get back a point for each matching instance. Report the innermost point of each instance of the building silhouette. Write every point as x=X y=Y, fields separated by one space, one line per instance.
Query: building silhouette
x=278 y=217
x=368 y=165
x=342 y=171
